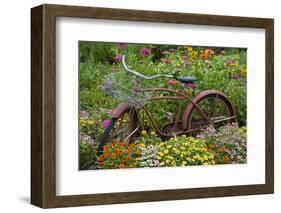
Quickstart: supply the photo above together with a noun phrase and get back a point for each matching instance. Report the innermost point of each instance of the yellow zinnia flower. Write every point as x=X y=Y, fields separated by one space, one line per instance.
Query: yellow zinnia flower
x=152 y=133
x=91 y=122
x=143 y=132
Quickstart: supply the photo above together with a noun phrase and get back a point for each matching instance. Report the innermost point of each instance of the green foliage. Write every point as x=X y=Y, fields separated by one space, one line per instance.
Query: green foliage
x=212 y=70
x=91 y=123
x=86 y=155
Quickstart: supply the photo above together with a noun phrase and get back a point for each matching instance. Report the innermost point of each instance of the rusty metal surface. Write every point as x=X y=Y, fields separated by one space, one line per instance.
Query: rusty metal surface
x=196 y=99
x=120 y=109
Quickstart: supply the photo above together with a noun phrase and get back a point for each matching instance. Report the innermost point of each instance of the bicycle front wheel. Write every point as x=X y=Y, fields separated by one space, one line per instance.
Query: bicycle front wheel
x=121 y=129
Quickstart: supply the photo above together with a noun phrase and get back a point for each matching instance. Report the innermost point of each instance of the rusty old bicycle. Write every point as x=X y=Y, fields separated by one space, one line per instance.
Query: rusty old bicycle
x=209 y=107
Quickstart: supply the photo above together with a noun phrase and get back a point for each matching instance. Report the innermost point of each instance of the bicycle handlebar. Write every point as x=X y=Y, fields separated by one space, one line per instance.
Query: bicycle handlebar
x=141 y=75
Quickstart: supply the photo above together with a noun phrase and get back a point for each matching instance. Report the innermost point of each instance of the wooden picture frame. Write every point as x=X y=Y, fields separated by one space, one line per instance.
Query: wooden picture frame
x=43 y=105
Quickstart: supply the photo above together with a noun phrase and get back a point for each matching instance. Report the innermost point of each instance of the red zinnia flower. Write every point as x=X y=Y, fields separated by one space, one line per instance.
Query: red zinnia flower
x=172 y=82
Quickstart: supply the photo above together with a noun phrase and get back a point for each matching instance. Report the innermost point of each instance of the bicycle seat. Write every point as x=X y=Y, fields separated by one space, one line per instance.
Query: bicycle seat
x=187 y=79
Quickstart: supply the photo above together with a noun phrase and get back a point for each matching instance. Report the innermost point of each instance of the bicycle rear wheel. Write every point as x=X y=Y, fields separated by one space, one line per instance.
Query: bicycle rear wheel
x=215 y=105
x=123 y=128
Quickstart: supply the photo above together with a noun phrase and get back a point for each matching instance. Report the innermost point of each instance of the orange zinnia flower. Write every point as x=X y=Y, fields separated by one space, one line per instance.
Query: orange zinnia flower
x=138 y=153
x=119 y=143
x=107 y=154
x=106 y=148
x=244 y=72
x=222 y=149
x=225 y=159
x=122 y=166
x=204 y=56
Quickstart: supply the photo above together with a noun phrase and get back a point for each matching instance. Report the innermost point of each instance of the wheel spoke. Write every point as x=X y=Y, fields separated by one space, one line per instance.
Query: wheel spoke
x=216 y=109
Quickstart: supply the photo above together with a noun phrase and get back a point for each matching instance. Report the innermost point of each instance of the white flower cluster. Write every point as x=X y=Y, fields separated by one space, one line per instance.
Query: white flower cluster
x=149 y=156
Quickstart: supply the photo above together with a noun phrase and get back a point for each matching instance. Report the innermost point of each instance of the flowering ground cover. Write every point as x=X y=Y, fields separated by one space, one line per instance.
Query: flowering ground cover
x=223 y=69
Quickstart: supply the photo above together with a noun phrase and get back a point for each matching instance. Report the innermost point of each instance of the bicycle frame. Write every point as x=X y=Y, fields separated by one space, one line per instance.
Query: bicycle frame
x=181 y=97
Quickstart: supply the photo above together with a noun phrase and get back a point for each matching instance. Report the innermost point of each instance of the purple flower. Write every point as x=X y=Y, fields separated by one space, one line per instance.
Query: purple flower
x=191 y=85
x=145 y=51
x=235 y=77
x=118 y=58
x=122 y=46
x=105 y=123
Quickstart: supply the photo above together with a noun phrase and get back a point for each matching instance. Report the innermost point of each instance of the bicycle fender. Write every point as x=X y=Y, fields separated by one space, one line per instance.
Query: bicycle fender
x=120 y=109
x=195 y=100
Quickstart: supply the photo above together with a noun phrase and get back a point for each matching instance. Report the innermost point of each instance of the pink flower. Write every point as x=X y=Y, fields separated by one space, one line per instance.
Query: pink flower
x=184 y=57
x=105 y=123
x=118 y=58
x=172 y=82
x=187 y=63
x=145 y=51
x=178 y=69
x=231 y=63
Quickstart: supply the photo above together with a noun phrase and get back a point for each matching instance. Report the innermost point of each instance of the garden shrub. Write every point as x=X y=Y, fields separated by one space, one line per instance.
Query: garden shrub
x=87 y=154
x=228 y=143
x=184 y=151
